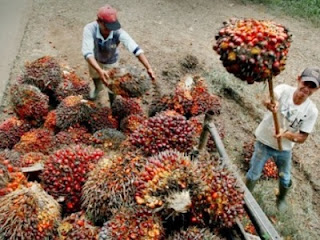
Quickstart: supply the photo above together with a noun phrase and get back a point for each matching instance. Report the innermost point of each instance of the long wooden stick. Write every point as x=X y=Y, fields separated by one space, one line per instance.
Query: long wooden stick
x=274 y=114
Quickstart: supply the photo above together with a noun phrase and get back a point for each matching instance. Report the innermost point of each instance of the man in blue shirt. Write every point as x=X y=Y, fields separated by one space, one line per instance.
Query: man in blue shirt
x=100 y=43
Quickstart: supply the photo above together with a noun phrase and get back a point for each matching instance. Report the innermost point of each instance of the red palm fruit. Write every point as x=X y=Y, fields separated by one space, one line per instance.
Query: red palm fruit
x=44 y=73
x=192 y=233
x=108 y=138
x=11 y=155
x=28 y=213
x=169 y=184
x=11 y=130
x=130 y=82
x=36 y=140
x=110 y=185
x=73 y=110
x=253 y=50
x=66 y=171
x=132 y=223
x=166 y=130
x=11 y=178
x=223 y=200
x=131 y=123
x=123 y=107
x=50 y=122
x=72 y=85
x=29 y=159
x=77 y=227
x=29 y=102
x=73 y=135
x=100 y=118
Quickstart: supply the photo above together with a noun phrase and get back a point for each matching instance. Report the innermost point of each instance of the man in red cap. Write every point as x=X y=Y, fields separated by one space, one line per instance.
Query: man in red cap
x=100 y=43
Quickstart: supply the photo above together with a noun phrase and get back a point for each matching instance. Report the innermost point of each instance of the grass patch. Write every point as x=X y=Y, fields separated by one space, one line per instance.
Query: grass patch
x=306 y=9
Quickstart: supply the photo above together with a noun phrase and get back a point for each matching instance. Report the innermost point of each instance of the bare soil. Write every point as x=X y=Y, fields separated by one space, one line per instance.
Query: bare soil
x=170 y=31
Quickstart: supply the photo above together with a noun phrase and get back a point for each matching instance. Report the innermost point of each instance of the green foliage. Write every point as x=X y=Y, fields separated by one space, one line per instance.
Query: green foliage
x=306 y=9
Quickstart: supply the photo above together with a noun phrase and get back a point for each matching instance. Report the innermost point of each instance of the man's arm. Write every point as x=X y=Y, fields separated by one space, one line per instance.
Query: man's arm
x=104 y=75
x=142 y=58
x=299 y=137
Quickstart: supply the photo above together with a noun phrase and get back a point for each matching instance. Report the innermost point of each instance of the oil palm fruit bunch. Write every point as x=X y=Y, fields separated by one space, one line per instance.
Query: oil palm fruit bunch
x=72 y=85
x=129 y=82
x=108 y=138
x=11 y=178
x=11 y=129
x=122 y=107
x=132 y=223
x=77 y=227
x=131 y=123
x=29 y=103
x=73 y=110
x=44 y=73
x=168 y=184
x=100 y=118
x=50 y=122
x=223 y=200
x=253 y=50
x=76 y=134
x=192 y=233
x=110 y=184
x=28 y=213
x=160 y=104
x=66 y=171
x=12 y=155
x=36 y=140
x=31 y=158
x=167 y=130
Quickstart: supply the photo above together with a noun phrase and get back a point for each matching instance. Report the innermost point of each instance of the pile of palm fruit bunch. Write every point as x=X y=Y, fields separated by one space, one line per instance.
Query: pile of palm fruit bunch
x=270 y=169
x=109 y=172
x=253 y=50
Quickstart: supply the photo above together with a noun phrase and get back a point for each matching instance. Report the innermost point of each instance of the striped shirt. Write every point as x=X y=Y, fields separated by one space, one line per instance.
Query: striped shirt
x=105 y=50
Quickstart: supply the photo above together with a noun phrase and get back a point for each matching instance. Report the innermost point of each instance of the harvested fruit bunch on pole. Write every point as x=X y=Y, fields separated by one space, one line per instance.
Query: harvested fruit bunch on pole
x=65 y=172
x=28 y=213
x=77 y=227
x=132 y=223
x=254 y=51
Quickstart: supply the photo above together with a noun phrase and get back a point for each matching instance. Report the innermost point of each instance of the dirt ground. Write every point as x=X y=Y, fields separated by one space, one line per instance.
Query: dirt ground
x=168 y=31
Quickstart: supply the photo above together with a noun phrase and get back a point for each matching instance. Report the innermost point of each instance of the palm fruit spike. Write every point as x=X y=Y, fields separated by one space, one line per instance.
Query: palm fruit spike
x=253 y=50
x=192 y=233
x=130 y=82
x=36 y=140
x=166 y=130
x=73 y=135
x=11 y=130
x=44 y=73
x=11 y=177
x=77 y=227
x=65 y=172
x=29 y=102
x=224 y=200
x=131 y=123
x=110 y=184
x=72 y=85
x=73 y=110
x=28 y=213
x=132 y=223
x=169 y=182
x=108 y=138
x=29 y=159
x=122 y=107
x=100 y=118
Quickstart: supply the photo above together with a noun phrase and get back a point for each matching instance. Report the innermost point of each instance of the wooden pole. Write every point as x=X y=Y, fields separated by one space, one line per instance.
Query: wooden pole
x=275 y=116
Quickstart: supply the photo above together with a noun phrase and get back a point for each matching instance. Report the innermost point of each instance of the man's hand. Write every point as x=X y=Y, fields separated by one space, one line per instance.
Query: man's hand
x=151 y=73
x=104 y=76
x=273 y=107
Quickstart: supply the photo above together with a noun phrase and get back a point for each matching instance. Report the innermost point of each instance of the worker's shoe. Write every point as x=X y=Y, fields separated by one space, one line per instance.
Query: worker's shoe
x=281 y=198
x=250 y=184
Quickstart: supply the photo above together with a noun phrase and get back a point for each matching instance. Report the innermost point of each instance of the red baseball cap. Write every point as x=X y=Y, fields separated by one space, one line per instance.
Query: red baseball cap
x=108 y=16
